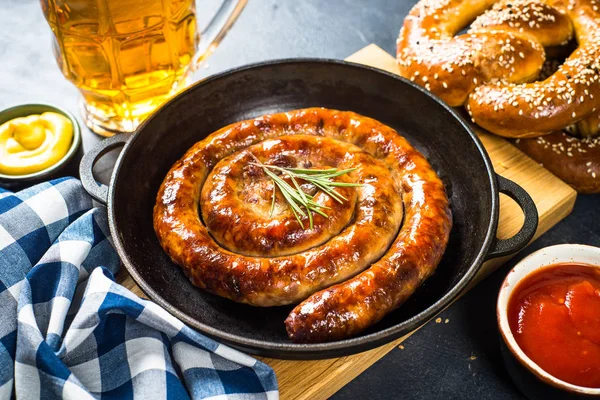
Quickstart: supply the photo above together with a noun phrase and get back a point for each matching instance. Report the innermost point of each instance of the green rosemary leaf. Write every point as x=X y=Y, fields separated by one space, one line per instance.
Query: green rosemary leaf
x=311 y=171
x=302 y=204
x=272 y=201
x=304 y=201
x=332 y=193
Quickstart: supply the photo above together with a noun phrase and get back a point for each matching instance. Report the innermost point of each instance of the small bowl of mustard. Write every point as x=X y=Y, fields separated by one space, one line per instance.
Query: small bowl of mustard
x=38 y=142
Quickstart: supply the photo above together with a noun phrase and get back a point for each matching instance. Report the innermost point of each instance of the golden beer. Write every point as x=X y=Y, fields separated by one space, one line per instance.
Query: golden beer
x=126 y=56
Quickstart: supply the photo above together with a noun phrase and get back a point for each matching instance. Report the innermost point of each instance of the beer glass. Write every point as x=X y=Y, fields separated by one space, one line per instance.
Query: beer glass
x=127 y=57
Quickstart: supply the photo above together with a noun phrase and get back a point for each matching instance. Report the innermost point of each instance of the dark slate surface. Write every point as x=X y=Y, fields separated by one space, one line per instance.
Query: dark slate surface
x=455 y=360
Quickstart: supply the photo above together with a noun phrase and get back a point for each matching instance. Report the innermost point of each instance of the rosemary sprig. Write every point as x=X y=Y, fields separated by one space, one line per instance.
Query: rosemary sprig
x=303 y=204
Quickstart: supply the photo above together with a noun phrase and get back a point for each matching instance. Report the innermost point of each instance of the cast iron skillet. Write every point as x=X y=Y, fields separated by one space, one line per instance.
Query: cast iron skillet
x=434 y=128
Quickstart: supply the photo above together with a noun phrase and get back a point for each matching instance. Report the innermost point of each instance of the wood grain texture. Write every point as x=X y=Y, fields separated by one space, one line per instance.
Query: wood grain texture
x=553 y=198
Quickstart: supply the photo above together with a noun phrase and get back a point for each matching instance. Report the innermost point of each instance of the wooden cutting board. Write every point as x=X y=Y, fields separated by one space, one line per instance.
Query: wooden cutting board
x=554 y=200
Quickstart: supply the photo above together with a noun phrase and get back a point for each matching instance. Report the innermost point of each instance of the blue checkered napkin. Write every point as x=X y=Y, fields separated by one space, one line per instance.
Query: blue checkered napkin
x=67 y=330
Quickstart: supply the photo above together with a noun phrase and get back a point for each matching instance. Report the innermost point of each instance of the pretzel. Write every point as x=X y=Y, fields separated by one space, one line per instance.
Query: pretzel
x=491 y=68
x=572 y=159
x=499 y=72
x=588 y=127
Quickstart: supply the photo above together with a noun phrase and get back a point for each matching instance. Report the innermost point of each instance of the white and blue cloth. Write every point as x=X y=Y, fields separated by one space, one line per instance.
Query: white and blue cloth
x=67 y=330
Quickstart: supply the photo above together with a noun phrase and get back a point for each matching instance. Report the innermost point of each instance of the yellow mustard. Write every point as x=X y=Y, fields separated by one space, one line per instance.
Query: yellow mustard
x=33 y=143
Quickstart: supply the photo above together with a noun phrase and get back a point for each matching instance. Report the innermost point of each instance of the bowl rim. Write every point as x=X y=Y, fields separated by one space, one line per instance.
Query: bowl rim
x=75 y=142
x=305 y=351
x=535 y=261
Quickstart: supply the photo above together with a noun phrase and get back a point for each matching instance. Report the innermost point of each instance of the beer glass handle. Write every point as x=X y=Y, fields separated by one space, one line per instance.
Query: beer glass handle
x=216 y=30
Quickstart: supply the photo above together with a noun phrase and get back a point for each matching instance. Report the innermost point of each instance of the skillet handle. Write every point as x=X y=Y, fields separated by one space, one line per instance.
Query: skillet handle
x=99 y=191
x=503 y=247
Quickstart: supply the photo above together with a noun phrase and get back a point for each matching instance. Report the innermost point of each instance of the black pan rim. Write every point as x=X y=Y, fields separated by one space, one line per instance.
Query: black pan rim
x=313 y=350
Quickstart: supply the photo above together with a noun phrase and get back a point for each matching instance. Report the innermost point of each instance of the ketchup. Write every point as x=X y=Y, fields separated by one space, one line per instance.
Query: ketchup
x=554 y=315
